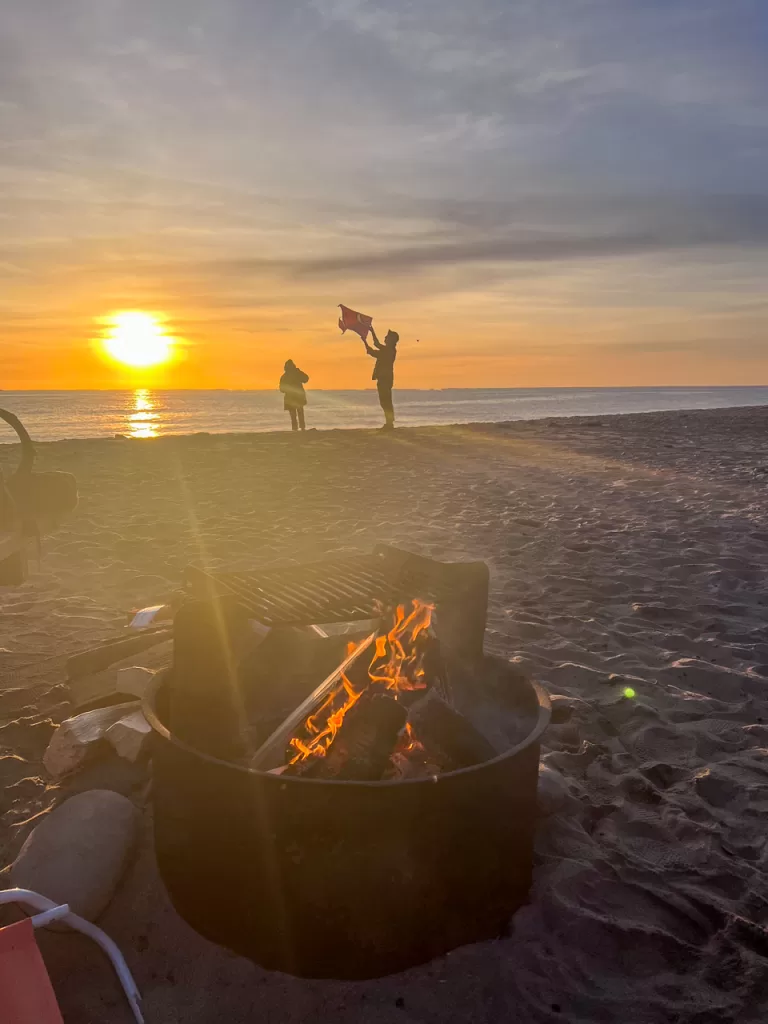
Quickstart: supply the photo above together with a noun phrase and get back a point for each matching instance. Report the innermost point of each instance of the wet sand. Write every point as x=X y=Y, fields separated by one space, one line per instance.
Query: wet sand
x=625 y=552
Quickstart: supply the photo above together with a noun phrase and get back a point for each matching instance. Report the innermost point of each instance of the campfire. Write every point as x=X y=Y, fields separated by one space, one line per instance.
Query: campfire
x=385 y=713
x=355 y=842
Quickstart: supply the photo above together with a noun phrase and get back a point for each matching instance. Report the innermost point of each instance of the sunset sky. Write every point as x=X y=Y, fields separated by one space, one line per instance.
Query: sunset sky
x=543 y=192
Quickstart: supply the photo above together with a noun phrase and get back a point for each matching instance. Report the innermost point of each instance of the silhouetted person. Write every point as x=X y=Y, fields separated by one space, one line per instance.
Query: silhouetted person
x=292 y=386
x=384 y=372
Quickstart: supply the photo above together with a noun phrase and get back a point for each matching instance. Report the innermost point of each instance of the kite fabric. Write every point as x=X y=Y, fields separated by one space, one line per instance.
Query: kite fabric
x=350 y=320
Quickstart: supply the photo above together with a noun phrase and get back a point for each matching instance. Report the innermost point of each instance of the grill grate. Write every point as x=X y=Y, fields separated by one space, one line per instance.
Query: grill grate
x=353 y=587
x=334 y=590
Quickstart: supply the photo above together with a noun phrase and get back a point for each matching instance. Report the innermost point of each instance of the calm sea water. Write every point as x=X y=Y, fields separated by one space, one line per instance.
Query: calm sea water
x=51 y=415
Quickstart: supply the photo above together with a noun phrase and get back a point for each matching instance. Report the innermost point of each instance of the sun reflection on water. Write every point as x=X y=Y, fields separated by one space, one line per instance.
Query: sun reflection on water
x=143 y=418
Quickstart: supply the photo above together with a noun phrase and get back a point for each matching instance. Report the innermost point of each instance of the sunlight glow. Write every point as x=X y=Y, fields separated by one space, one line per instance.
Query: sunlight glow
x=137 y=339
x=143 y=417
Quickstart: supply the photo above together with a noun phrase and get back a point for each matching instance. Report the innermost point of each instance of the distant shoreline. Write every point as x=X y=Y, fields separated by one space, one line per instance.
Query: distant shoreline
x=50 y=415
x=357 y=391
x=532 y=425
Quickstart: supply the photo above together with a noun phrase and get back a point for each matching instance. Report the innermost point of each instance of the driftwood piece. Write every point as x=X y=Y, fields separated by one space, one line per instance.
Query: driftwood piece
x=130 y=736
x=362 y=747
x=77 y=739
x=97 y=658
x=449 y=738
x=134 y=679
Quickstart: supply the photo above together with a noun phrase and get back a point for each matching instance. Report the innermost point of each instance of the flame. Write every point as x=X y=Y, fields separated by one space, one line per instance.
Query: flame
x=402 y=669
x=321 y=735
x=396 y=665
x=409 y=741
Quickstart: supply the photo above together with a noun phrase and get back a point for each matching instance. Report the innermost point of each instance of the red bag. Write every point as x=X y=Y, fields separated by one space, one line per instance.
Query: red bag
x=353 y=321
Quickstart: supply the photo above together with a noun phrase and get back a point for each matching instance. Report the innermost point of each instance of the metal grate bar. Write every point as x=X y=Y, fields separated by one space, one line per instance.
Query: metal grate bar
x=340 y=589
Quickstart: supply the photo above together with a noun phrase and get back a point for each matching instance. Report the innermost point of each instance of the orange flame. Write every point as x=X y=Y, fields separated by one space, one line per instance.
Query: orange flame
x=403 y=669
x=324 y=723
x=409 y=741
x=396 y=664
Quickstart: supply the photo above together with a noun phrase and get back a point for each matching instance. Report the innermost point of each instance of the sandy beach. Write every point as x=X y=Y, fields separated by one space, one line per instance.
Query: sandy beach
x=626 y=553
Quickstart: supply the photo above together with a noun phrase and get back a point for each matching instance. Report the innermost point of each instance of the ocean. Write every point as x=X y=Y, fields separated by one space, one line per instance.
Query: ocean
x=52 y=415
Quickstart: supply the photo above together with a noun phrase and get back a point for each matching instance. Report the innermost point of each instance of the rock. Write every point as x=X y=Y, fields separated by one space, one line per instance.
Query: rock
x=76 y=738
x=130 y=736
x=77 y=854
x=135 y=680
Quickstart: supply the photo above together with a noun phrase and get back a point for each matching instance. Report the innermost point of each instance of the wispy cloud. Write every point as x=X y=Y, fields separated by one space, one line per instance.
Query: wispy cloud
x=234 y=161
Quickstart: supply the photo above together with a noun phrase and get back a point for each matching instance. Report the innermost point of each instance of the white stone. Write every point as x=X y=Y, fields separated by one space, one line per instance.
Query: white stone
x=130 y=736
x=77 y=854
x=75 y=739
x=135 y=680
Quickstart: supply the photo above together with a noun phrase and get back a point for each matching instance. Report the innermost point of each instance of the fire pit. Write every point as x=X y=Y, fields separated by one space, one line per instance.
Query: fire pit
x=355 y=854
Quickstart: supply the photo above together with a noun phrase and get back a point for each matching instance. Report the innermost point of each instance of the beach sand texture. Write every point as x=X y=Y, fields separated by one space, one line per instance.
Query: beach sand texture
x=625 y=552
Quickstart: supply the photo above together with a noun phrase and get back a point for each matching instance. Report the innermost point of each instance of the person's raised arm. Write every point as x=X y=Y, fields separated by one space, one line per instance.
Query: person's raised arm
x=369 y=350
x=376 y=341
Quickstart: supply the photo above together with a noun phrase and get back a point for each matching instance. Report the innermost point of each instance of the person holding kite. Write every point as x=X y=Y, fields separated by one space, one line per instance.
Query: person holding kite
x=385 y=355
x=384 y=372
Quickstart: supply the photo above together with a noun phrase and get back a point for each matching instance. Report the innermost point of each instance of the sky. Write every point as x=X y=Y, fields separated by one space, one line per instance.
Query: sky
x=532 y=192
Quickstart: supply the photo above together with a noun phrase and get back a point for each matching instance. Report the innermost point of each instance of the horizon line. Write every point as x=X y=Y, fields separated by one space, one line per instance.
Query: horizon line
x=542 y=387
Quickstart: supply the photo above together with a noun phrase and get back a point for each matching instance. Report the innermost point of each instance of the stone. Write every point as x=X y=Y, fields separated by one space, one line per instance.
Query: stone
x=130 y=736
x=76 y=738
x=135 y=680
x=78 y=852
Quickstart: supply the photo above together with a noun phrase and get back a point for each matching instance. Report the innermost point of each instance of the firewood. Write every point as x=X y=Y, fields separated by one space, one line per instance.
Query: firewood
x=362 y=747
x=98 y=658
x=79 y=738
x=130 y=737
x=270 y=752
x=449 y=738
x=411 y=764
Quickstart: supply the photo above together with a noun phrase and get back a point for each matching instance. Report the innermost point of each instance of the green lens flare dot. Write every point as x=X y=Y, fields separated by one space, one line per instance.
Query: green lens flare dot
x=629 y=692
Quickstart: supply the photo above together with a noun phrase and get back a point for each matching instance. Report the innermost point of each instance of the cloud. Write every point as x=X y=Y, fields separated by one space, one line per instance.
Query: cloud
x=565 y=231
x=519 y=163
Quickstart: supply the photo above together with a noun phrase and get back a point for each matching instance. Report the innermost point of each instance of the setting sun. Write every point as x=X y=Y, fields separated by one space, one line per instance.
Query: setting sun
x=137 y=339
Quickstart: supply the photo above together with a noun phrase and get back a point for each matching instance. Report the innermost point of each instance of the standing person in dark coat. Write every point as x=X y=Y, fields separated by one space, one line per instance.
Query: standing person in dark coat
x=292 y=386
x=384 y=372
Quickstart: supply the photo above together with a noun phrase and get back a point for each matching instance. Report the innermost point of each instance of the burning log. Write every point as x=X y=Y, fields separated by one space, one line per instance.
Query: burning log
x=349 y=727
x=327 y=692
x=450 y=740
x=410 y=760
x=360 y=750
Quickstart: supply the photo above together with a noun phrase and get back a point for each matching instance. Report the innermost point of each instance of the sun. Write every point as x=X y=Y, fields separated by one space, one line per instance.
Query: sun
x=137 y=339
